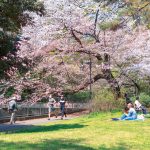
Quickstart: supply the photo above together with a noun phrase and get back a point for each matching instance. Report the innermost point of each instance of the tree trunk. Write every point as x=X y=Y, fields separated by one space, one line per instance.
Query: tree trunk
x=113 y=83
x=109 y=76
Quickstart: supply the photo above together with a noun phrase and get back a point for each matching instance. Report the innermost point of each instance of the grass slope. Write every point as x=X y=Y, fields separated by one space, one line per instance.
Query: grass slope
x=92 y=132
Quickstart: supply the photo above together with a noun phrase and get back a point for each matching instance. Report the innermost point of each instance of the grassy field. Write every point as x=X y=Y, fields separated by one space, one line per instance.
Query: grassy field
x=91 y=132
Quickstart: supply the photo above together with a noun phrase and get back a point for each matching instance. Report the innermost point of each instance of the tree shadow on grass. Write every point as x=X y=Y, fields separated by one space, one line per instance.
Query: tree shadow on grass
x=120 y=146
x=46 y=128
x=56 y=144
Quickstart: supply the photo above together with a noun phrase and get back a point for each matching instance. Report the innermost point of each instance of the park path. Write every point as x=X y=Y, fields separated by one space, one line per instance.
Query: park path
x=5 y=127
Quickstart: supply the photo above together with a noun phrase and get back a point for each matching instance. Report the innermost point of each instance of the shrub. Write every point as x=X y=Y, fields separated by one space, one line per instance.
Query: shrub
x=145 y=99
x=82 y=96
x=9 y=92
x=112 y=25
x=104 y=100
x=26 y=94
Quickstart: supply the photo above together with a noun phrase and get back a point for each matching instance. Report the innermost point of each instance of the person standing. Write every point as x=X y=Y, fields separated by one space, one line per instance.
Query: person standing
x=12 y=108
x=62 y=103
x=127 y=99
x=51 y=107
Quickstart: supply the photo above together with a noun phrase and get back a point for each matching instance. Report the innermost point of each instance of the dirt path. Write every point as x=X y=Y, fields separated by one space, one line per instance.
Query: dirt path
x=28 y=123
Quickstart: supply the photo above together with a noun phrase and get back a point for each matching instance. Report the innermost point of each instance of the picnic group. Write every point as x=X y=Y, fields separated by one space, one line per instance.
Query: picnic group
x=132 y=111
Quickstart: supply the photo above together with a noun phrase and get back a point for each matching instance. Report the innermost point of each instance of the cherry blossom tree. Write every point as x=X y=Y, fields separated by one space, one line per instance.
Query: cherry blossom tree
x=74 y=32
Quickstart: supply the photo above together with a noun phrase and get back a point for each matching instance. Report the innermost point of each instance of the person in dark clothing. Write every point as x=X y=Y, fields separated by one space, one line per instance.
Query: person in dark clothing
x=62 y=103
x=127 y=99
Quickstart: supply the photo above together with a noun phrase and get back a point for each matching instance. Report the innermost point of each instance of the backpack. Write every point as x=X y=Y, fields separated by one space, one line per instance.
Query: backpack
x=12 y=106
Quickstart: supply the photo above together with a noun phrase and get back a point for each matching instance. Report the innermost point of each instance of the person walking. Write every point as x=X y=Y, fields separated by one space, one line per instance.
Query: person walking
x=62 y=103
x=51 y=107
x=12 y=108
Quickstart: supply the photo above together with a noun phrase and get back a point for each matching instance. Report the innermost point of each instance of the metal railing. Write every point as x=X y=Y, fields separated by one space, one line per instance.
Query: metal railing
x=39 y=109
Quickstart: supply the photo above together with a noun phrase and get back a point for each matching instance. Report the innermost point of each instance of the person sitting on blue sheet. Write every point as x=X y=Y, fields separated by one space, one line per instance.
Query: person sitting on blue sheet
x=130 y=113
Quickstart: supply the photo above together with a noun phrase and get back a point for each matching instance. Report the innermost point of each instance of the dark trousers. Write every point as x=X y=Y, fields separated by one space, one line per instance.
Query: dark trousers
x=142 y=109
x=63 y=111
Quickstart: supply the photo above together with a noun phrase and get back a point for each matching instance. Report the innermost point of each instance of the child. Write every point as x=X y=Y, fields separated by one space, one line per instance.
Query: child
x=126 y=111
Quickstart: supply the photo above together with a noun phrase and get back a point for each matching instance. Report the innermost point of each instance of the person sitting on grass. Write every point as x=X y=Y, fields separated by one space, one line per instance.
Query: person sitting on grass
x=126 y=111
x=131 y=115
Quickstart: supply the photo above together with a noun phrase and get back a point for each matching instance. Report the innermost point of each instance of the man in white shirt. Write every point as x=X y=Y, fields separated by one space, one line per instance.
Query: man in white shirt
x=138 y=106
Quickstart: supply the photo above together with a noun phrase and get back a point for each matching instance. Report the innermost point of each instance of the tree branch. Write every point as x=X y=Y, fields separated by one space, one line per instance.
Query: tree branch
x=76 y=38
x=95 y=23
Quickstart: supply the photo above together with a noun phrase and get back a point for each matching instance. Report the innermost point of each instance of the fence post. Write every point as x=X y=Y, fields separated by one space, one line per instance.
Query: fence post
x=40 y=109
x=27 y=107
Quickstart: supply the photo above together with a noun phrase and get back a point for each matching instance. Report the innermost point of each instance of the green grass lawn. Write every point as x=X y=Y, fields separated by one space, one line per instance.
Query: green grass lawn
x=91 y=132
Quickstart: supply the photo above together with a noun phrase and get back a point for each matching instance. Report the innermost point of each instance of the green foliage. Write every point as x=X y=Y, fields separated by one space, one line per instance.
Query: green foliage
x=104 y=100
x=145 y=99
x=144 y=85
x=6 y=43
x=82 y=96
x=26 y=94
x=148 y=26
x=13 y=15
x=12 y=18
x=10 y=91
x=6 y=64
x=44 y=100
x=3 y=66
x=139 y=10
x=111 y=25
x=108 y=1
x=94 y=132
